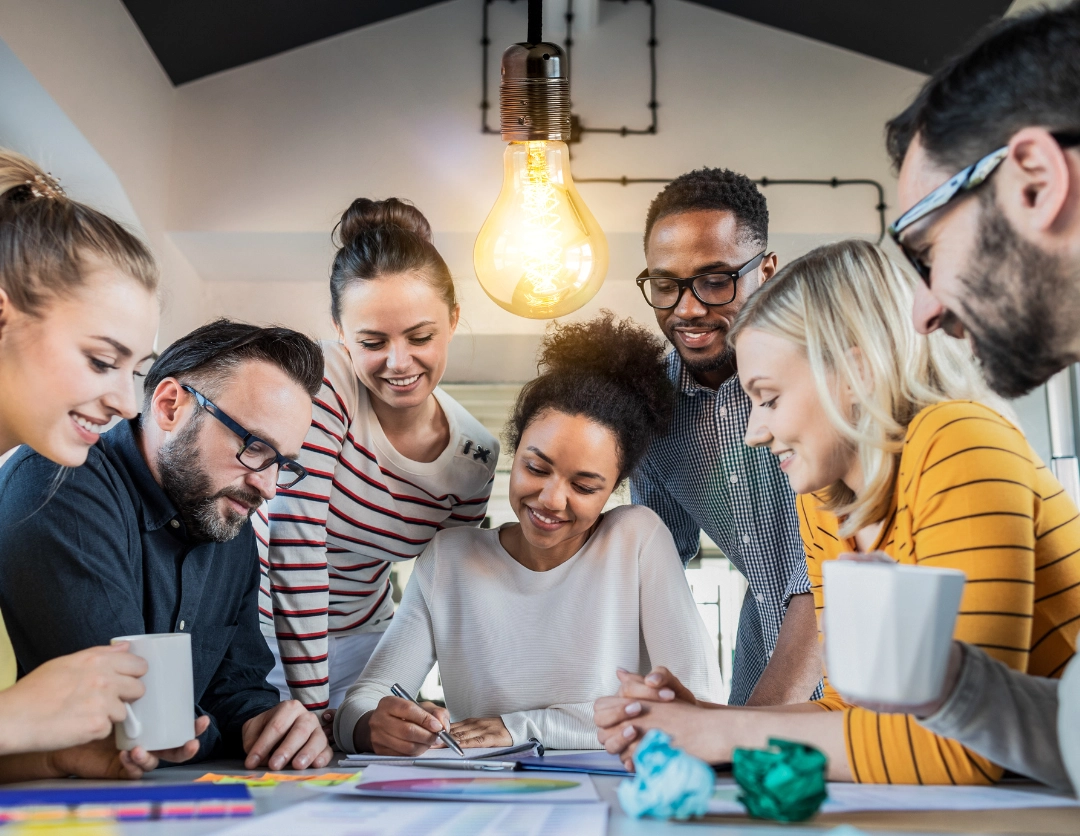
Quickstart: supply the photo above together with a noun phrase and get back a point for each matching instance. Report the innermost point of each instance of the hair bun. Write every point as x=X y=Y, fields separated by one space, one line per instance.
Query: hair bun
x=366 y=215
x=21 y=179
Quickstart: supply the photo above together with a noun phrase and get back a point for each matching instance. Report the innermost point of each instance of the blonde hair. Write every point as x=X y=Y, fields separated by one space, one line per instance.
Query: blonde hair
x=849 y=307
x=45 y=237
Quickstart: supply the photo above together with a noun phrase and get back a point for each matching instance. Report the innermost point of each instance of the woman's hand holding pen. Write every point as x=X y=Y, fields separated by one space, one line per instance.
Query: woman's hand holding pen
x=400 y=727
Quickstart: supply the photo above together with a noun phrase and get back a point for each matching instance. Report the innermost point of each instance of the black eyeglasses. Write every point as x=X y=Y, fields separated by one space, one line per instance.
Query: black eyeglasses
x=961 y=184
x=713 y=289
x=255 y=454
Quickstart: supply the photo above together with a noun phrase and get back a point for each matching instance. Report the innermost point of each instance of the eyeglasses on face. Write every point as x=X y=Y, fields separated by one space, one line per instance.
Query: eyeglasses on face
x=956 y=187
x=715 y=288
x=255 y=454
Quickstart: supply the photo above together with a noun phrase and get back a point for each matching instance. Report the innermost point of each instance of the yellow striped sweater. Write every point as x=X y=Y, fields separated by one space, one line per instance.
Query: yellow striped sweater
x=972 y=495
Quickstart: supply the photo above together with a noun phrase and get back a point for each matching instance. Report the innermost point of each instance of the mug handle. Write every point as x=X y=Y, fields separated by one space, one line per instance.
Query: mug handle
x=132 y=726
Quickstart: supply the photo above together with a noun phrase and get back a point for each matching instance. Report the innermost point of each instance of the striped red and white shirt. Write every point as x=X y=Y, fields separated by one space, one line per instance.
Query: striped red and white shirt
x=327 y=546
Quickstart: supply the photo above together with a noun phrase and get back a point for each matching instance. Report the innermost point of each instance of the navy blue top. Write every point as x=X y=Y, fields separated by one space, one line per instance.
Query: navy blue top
x=100 y=551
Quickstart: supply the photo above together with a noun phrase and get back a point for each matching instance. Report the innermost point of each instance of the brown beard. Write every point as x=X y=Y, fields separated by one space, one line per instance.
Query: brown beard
x=1019 y=309
x=188 y=485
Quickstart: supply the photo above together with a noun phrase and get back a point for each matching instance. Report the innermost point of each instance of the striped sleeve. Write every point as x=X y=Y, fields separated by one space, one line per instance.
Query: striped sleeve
x=812 y=532
x=298 y=573
x=470 y=510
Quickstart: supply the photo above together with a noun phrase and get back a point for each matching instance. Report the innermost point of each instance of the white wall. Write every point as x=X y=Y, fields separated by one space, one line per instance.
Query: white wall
x=266 y=156
x=91 y=59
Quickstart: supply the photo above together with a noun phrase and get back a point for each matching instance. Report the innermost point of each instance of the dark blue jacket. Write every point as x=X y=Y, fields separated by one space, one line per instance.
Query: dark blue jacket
x=100 y=551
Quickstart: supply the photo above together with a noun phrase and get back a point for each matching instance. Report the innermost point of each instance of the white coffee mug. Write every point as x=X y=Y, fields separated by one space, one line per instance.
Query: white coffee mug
x=164 y=717
x=888 y=629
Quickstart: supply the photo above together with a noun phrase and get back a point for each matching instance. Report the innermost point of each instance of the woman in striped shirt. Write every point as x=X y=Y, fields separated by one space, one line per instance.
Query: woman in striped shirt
x=882 y=434
x=391 y=459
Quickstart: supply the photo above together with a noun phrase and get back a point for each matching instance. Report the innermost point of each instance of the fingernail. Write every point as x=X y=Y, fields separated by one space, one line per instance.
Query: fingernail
x=667 y=694
x=629 y=732
x=622 y=670
x=633 y=708
x=301 y=763
x=653 y=679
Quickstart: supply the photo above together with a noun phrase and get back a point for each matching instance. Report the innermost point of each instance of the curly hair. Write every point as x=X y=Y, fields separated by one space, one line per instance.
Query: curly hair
x=608 y=370
x=714 y=188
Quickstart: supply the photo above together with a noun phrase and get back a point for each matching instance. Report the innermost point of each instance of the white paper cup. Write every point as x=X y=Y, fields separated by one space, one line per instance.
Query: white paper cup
x=164 y=717
x=888 y=629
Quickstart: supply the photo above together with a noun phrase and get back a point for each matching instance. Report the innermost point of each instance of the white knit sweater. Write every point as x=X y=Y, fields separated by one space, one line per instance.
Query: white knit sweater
x=538 y=648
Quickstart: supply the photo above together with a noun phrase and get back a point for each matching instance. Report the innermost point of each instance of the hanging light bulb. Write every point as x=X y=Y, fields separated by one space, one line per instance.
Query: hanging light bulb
x=540 y=253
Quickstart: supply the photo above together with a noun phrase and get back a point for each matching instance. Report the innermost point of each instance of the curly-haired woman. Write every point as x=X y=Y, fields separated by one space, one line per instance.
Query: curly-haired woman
x=530 y=622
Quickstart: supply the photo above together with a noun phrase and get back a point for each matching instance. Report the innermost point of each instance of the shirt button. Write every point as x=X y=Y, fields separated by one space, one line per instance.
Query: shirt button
x=760 y=598
x=746 y=539
x=174 y=523
x=181 y=625
x=734 y=478
x=723 y=412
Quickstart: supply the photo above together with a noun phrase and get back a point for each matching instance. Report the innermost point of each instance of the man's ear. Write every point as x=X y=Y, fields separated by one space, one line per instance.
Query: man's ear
x=170 y=405
x=1037 y=183
x=769 y=265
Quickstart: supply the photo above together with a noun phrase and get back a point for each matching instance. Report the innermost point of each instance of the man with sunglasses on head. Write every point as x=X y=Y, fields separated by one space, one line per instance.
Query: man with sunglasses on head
x=152 y=534
x=706 y=246
x=989 y=161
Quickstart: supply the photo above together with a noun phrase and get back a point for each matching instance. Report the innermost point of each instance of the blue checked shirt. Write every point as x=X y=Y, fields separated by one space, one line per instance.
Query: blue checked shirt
x=702 y=477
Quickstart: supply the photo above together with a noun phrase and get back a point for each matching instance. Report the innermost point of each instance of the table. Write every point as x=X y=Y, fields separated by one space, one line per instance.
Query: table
x=1045 y=822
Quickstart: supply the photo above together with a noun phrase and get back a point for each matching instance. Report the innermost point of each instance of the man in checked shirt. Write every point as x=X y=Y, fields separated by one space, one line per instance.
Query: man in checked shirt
x=706 y=246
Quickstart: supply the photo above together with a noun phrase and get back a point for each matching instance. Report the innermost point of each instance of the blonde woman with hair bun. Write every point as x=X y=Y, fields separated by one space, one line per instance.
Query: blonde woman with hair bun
x=894 y=445
x=78 y=316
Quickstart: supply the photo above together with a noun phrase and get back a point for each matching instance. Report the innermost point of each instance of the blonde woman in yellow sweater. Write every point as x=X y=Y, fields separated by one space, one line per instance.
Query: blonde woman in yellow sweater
x=894 y=445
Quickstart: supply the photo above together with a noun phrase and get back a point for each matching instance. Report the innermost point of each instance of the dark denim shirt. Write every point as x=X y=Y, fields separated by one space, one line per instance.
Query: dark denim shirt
x=100 y=551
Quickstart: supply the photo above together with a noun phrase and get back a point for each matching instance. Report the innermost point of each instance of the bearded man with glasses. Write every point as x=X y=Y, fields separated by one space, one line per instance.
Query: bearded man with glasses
x=153 y=533
x=706 y=247
x=989 y=161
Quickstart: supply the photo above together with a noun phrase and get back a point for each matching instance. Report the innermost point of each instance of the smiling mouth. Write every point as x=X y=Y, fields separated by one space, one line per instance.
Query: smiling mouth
x=403 y=381
x=544 y=521
x=86 y=424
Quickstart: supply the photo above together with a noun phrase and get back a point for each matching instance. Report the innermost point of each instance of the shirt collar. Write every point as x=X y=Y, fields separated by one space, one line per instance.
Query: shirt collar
x=686 y=384
x=155 y=506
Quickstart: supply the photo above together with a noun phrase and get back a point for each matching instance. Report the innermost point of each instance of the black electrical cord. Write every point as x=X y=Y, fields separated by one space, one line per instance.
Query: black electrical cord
x=536 y=21
x=653 y=104
x=764 y=182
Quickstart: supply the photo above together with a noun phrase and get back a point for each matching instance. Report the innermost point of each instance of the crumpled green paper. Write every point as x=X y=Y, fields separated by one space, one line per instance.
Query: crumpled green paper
x=667 y=782
x=785 y=782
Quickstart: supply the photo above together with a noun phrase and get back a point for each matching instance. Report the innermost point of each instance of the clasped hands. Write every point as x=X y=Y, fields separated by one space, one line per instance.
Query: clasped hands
x=655 y=701
x=400 y=727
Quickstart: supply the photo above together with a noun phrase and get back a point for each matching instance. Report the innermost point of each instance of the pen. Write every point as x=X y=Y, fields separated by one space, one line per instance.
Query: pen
x=481 y=766
x=444 y=735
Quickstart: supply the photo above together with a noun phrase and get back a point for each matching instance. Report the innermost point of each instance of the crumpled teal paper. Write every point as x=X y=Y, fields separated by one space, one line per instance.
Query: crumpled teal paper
x=667 y=782
x=785 y=782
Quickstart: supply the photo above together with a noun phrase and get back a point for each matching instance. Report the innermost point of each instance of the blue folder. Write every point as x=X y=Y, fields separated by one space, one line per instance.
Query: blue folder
x=591 y=763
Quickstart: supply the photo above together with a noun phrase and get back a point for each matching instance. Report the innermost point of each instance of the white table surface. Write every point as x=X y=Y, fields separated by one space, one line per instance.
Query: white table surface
x=270 y=799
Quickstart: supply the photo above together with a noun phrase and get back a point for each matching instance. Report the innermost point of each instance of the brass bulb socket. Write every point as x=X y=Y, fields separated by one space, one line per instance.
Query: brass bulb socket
x=534 y=96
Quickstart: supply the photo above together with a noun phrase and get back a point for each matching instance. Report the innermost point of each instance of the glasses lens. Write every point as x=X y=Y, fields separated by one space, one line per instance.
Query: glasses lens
x=257 y=455
x=661 y=293
x=922 y=269
x=289 y=475
x=715 y=289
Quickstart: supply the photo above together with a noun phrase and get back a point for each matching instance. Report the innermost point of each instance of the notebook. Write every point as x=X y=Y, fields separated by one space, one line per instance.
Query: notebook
x=434 y=757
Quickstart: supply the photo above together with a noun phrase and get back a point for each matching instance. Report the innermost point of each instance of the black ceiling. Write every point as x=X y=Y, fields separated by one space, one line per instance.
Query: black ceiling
x=918 y=34
x=195 y=38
